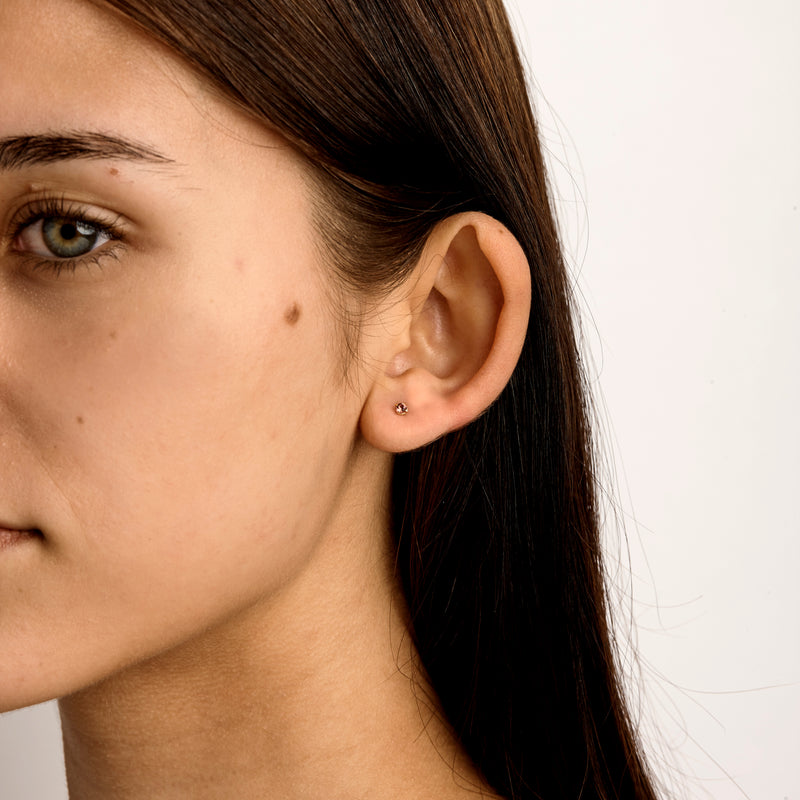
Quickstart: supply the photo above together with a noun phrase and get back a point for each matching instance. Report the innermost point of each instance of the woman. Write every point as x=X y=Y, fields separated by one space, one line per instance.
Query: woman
x=298 y=496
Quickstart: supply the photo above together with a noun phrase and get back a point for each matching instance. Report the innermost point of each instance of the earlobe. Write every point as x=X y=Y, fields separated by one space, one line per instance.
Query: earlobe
x=466 y=307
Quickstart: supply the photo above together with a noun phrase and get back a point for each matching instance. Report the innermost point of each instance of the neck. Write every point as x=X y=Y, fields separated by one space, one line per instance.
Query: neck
x=312 y=694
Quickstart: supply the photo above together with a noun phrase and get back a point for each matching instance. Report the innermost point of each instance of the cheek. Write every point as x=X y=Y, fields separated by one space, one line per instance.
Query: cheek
x=181 y=462
x=214 y=414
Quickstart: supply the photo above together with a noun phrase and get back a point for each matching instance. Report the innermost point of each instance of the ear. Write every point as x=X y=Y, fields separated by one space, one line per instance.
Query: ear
x=455 y=334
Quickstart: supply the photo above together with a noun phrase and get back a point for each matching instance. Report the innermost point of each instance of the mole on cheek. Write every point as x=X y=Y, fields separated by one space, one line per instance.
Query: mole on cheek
x=292 y=314
x=113 y=171
x=79 y=420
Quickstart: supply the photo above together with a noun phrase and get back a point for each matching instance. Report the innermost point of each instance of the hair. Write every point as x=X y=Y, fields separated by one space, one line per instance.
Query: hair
x=407 y=112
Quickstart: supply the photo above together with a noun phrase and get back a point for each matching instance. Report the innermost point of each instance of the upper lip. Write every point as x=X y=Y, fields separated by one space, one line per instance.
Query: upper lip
x=6 y=526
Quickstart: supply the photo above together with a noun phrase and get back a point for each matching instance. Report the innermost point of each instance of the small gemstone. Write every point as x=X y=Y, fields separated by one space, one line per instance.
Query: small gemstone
x=401 y=409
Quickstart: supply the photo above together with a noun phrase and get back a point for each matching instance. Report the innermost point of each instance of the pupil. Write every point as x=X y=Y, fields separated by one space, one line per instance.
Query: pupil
x=68 y=231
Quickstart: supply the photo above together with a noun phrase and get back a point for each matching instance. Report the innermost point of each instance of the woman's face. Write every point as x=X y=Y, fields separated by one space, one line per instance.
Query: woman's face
x=172 y=413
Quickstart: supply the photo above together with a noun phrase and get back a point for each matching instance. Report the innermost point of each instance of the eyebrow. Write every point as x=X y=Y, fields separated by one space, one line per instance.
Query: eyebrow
x=22 y=151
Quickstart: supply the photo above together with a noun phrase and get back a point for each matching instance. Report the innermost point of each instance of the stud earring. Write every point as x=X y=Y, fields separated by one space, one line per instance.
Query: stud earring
x=401 y=409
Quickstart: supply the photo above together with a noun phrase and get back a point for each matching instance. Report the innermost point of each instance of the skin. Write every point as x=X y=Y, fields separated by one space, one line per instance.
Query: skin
x=210 y=590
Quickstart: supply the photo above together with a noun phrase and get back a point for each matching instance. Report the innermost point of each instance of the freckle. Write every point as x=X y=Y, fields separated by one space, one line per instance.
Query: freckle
x=79 y=420
x=292 y=315
x=112 y=335
x=239 y=265
x=113 y=171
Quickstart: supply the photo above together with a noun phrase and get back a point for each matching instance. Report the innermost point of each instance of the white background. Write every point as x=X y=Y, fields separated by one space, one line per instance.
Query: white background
x=673 y=129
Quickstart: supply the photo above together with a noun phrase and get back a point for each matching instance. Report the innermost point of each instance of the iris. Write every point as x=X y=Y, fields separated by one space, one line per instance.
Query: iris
x=69 y=238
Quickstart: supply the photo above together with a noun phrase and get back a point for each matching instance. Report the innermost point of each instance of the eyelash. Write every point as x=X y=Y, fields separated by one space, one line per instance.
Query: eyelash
x=58 y=207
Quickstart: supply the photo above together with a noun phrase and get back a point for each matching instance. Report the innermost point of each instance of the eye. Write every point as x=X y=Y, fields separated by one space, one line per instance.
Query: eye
x=61 y=237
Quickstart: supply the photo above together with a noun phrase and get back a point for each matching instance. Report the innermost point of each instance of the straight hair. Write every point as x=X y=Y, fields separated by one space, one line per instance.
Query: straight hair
x=408 y=111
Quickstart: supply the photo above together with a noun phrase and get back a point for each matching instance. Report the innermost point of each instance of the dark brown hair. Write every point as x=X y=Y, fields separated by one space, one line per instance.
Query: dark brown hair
x=409 y=111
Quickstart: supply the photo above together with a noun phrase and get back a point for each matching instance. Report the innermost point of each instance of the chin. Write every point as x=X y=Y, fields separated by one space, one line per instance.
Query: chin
x=28 y=684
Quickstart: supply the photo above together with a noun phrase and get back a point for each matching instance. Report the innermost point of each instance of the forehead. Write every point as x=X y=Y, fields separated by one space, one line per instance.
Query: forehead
x=66 y=60
x=76 y=65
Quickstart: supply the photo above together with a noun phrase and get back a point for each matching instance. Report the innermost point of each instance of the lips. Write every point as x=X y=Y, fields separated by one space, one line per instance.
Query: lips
x=9 y=537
